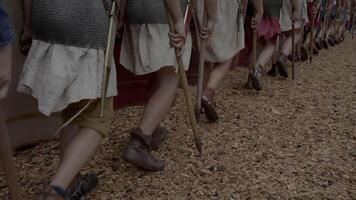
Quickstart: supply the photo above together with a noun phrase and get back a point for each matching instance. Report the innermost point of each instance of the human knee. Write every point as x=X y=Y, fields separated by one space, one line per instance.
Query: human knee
x=90 y=117
x=168 y=79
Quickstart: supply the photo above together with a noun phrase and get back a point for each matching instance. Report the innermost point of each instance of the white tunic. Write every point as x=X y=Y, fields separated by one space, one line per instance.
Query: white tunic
x=145 y=48
x=58 y=75
x=228 y=37
x=286 y=15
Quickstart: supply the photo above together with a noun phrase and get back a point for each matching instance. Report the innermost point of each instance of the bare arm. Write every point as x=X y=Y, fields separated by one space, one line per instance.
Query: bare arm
x=122 y=14
x=316 y=7
x=243 y=7
x=208 y=26
x=295 y=9
x=294 y=4
x=256 y=21
x=178 y=38
x=174 y=9
x=27 y=14
x=258 y=6
x=211 y=9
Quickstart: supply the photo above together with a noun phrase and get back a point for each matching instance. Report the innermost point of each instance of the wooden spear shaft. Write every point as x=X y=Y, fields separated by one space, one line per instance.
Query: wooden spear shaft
x=8 y=162
x=202 y=54
x=108 y=54
x=311 y=40
x=293 y=49
x=325 y=26
x=184 y=81
x=195 y=20
x=254 y=50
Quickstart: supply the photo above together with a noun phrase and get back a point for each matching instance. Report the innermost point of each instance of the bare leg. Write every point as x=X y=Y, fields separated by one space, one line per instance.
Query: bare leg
x=287 y=44
x=214 y=79
x=307 y=40
x=266 y=53
x=160 y=101
x=320 y=35
x=218 y=74
x=77 y=153
x=5 y=70
x=68 y=133
x=208 y=67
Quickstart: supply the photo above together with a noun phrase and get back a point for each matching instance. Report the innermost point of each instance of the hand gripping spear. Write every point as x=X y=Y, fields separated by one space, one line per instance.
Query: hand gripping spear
x=8 y=162
x=109 y=53
x=184 y=81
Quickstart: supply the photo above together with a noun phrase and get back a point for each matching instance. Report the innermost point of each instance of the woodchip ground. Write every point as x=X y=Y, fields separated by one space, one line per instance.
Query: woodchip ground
x=294 y=140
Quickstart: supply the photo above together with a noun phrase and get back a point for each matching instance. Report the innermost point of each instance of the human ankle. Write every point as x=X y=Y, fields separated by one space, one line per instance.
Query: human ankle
x=208 y=92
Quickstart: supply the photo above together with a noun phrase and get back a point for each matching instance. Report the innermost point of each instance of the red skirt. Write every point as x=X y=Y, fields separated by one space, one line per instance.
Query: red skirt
x=269 y=30
x=310 y=16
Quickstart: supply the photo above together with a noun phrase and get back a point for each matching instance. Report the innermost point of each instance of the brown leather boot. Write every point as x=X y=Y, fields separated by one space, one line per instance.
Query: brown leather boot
x=137 y=152
x=158 y=137
x=281 y=63
x=304 y=53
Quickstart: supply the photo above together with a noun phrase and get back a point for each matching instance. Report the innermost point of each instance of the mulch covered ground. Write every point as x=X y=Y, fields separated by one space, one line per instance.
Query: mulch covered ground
x=294 y=140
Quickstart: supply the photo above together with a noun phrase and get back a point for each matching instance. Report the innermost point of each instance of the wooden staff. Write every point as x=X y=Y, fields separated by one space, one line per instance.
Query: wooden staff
x=252 y=64
x=254 y=51
x=312 y=39
x=195 y=20
x=109 y=54
x=293 y=49
x=352 y=21
x=8 y=162
x=202 y=53
x=184 y=81
x=325 y=26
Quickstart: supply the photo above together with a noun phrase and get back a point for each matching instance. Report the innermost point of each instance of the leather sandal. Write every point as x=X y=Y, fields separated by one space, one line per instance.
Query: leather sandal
x=255 y=77
x=282 y=69
x=304 y=53
x=158 y=137
x=138 y=152
x=209 y=109
x=83 y=185
x=273 y=71
x=318 y=45
x=325 y=44
x=331 y=42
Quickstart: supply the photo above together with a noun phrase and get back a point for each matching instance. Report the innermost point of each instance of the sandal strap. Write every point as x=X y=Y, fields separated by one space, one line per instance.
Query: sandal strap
x=84 y=185
x=137 y=133
x=60 y=193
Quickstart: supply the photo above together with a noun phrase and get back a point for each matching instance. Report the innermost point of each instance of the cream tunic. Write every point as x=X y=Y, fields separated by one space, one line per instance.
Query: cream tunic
x=145 y=48
x=228 y=37
x=286 y=14
x=58 y=75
